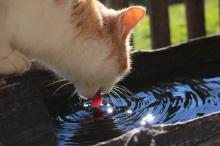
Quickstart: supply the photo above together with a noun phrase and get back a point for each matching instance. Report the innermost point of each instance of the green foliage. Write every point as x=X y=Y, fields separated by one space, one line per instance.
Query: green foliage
x=178 y=25
x=212 y=17
x=142 y=35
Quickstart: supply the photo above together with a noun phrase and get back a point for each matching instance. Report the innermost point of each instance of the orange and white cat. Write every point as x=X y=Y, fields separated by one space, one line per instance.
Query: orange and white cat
x=82 y=39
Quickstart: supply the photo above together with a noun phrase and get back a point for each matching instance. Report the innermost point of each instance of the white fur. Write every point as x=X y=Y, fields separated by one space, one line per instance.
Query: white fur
x=41 y=29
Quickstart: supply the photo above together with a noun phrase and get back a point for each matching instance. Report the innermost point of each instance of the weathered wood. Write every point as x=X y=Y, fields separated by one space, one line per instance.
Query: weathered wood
x=175 y=1
x=118 y=4
x=167 y=62
x=199 y=132
x=195 y=18
x=159 y=23
x=24 y=119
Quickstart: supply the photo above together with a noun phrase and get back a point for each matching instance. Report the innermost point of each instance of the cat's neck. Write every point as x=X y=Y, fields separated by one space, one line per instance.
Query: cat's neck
x=46 y=31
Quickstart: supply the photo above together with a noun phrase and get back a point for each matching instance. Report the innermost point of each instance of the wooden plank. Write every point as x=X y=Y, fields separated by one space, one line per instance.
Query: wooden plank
x=24 y=117
x=159 y=22
x=195 y=18
x=184 y=59
x=198 y=132
x=118 y=4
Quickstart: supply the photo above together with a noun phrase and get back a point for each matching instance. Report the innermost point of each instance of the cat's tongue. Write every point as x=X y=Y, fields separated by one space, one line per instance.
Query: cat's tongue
x=97 y=100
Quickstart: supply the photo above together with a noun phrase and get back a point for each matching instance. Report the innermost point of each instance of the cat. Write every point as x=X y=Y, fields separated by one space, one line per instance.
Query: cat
x=82 y=39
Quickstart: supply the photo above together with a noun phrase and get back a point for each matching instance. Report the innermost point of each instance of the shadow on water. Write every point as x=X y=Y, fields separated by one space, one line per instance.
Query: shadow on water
x=171 y=101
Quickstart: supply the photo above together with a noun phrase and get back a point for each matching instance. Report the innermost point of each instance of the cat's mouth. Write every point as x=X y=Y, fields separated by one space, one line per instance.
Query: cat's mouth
x=99 y=93
x=97 y=100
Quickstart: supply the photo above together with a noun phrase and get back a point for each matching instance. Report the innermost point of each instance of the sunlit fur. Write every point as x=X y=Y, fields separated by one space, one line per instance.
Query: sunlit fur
x=80 y=38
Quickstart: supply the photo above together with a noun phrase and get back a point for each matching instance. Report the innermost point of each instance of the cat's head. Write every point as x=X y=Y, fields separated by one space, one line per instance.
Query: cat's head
x=101 y=45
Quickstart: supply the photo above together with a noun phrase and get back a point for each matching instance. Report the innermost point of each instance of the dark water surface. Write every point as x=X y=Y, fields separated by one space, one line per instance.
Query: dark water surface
x=166 y=102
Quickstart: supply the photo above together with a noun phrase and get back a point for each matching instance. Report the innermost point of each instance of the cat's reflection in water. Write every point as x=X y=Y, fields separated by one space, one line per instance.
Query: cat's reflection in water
x=101 y=128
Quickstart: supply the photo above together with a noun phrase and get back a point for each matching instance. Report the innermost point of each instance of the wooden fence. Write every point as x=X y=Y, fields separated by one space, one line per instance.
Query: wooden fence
x=160 y=23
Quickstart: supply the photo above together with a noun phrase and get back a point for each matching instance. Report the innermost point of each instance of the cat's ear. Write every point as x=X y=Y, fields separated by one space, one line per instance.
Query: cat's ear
x=129 y=18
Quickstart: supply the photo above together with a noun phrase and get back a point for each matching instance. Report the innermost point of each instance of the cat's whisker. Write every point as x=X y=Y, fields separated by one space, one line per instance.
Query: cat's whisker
x=81 y=98
x=109 y=94
x=69 y=83
x=114 y=101
x=121 y=92
x=76 y=104
x=73 y=93
x=62 y=80
x=107 y=98
x=117 y=102
x=115 y=93
x=123 y=88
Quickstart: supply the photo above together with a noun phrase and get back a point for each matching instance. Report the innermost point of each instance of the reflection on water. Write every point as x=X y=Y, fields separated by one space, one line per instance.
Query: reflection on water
x=166 y=102
x=149 y=118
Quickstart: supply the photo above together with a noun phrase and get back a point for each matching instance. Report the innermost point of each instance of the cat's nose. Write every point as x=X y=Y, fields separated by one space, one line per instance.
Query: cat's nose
x=99 y=93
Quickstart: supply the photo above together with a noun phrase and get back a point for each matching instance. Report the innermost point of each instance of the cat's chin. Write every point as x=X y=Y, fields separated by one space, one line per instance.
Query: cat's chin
x=90 y=94
x=97 y=94
x=87 y=93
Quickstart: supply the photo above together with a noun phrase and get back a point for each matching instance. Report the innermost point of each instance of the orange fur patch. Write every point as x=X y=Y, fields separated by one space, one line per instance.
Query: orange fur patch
x=94 y=19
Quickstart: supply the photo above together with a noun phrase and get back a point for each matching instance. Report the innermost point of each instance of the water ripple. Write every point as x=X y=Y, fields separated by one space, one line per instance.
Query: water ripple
x=166 y=102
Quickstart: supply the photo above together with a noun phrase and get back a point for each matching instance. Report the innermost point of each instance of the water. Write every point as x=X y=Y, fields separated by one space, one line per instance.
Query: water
x=160 y=103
